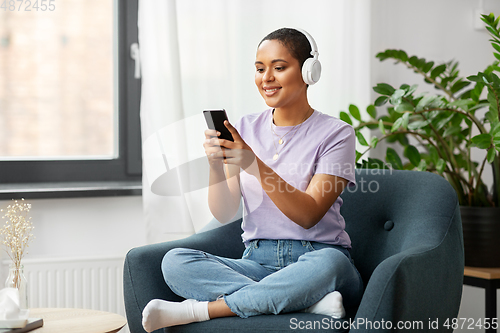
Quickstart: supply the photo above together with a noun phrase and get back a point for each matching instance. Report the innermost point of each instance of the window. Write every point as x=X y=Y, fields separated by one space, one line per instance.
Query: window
x=69 y=101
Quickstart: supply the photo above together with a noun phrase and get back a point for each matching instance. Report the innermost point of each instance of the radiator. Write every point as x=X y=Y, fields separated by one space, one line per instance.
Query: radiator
x=85 y=283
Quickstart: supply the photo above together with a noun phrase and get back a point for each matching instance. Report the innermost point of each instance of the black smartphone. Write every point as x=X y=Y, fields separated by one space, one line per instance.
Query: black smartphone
x=215 y=120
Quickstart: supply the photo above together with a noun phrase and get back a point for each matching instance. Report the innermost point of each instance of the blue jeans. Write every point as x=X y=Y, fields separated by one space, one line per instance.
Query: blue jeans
x=273 y=276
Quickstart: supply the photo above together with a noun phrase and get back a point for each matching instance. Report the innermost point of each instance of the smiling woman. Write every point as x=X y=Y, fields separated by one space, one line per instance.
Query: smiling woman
x=297 y=250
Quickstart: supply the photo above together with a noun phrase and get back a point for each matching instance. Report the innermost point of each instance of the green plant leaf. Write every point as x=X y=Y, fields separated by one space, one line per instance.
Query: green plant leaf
x=358 y=155
x=438 y=70
x=490 y=156
x=493 y=101
x=373 y=163
x=459 y=85
x=406 y=119
x=393 y=159
x=345 y=117
x=445 y=81
x=411 y=90
x=403 y=107
x=381 y=56
x=412 y=153
x=397 y=96
x=361 y=139
x=482 y=141
x=496 y=140
x=451 y=131
x=427 y=67
x=418 y=124
x=397 y=124
x=372 y=111
x=384 y=89
x=402 y=139
x=433 y=154
x=381 y=100
x=478 y=106
x=491 y=115
x=493 y=32
x=425 y=102
x=462 y=103
x=475 y=78
x=413 y=61
x=422 y=166
x=440 y=165
x=354 y=111
x=374 y=142
x=443 y=122
x=381 y=126
x=421 y=63
x=401 y=55
x=496 y=46
x=495 y=129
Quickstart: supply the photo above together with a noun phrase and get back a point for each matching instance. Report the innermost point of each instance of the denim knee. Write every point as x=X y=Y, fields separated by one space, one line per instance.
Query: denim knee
x=172 y=263
x=335 y=266
x=335 y=259
x=346 y=277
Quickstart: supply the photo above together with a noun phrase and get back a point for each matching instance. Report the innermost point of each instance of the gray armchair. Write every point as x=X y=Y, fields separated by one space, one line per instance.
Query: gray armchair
x=407 y=241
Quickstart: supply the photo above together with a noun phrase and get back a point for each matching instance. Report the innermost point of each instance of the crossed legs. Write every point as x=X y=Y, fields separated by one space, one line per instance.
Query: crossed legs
x=316 y=283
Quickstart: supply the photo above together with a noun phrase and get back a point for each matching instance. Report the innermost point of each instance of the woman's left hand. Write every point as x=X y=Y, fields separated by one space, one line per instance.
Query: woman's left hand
x=237 y=152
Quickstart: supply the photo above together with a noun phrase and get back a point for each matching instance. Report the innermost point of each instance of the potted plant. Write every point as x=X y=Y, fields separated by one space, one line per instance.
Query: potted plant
x=438 y=132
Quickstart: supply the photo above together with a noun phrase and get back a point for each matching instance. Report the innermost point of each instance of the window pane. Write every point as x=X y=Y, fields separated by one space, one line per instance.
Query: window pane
x=57 y=91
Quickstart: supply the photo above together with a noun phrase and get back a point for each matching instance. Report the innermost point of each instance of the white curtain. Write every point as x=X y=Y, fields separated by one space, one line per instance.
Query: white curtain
x=198 y=55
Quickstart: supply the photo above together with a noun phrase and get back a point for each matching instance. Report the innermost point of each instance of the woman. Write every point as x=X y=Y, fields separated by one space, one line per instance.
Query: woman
x=290 y=163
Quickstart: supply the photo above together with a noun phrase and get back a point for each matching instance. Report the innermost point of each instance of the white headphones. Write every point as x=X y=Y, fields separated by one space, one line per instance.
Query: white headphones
x=311 y=69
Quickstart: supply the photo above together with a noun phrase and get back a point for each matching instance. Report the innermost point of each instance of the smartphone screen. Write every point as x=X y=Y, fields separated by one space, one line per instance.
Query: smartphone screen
x=215 y=120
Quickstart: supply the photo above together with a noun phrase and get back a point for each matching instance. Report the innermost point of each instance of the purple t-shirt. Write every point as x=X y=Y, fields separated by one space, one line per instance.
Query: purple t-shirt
x=322 y=144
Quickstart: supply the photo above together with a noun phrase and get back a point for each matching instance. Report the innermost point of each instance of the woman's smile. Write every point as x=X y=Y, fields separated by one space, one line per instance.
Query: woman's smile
x=270 y=91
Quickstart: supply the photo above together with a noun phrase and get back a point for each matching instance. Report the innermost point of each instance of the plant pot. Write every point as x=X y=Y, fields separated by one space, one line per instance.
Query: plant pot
x=481 y=229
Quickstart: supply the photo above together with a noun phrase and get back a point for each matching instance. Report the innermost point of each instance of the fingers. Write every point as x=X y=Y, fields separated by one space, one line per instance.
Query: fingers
x=221 y=143
x=221 y=155
x=234 y=132
x=211 y=133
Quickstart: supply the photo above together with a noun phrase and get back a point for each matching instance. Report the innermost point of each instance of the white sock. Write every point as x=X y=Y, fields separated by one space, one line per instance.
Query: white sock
x=330 y=305
x=159 y=313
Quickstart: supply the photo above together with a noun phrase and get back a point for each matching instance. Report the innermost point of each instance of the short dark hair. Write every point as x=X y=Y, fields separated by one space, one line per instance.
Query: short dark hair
x=295 y=41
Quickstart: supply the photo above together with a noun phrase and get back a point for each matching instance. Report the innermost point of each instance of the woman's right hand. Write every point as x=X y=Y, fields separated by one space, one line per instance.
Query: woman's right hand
x=212 y=147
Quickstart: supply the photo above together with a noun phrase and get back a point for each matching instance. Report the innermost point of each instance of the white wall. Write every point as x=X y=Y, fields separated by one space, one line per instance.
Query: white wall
x=84 y=227
x=438 y=30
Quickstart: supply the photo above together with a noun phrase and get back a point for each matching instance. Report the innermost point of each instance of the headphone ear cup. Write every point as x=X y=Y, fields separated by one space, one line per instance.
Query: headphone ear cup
x=311 y=71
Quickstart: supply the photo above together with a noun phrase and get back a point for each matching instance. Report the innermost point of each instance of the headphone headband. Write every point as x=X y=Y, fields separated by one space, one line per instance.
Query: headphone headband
x=311 y=69
x=314 y=48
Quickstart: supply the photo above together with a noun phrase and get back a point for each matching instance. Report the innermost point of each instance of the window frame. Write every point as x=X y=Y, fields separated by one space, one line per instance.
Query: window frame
x=127 y=167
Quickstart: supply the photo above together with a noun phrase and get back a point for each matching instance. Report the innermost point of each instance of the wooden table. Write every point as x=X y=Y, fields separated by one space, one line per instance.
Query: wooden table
x=489 y=279
x=77 y=321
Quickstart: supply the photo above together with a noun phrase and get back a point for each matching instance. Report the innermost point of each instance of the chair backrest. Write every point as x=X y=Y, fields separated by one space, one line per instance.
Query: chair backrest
x=390 y=211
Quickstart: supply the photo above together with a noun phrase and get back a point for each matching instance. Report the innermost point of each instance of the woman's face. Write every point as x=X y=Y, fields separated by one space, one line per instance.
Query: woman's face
x=278 y=75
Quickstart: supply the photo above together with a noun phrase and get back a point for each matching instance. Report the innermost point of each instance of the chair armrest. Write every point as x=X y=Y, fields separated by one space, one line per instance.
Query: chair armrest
x=142 y=275
x=419 y=283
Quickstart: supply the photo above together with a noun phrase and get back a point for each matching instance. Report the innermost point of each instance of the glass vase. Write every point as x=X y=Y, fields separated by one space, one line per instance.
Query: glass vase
x=16 y=279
